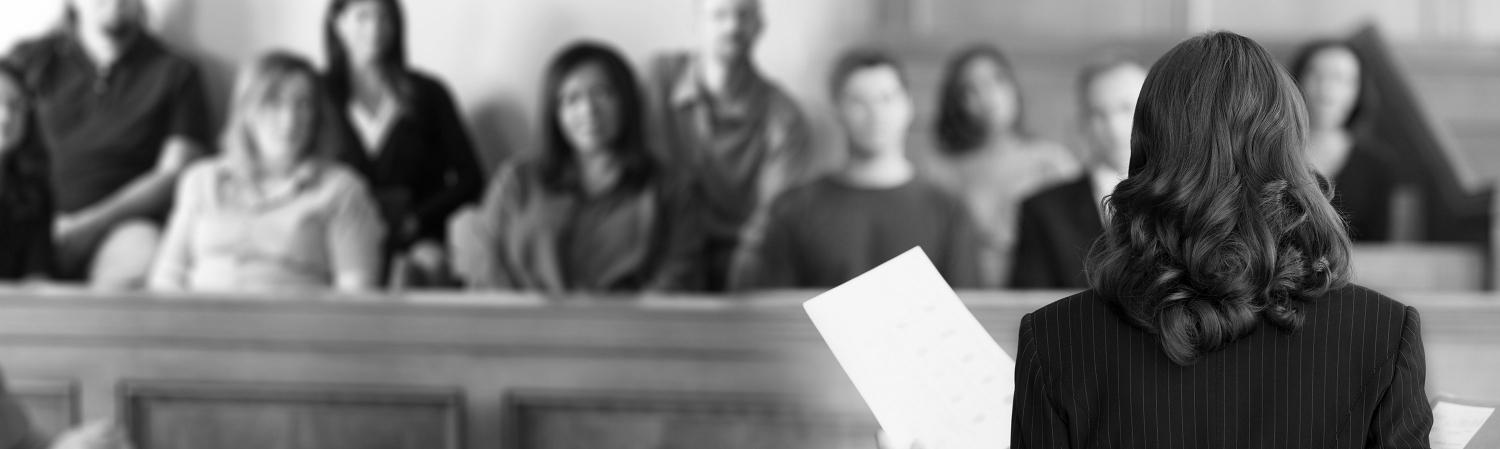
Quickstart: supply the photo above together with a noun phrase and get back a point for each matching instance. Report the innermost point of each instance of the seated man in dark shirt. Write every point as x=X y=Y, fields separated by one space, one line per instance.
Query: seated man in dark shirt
x=121 y=116
x=828 y=232
x=1059 y=225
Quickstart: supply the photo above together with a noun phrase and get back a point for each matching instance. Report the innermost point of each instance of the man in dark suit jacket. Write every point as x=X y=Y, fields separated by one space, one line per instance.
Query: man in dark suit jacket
x=1059 y=225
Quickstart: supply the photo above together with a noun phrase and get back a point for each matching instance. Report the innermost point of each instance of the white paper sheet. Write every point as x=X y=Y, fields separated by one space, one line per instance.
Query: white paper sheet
x=1453 y=425
x=922 y=362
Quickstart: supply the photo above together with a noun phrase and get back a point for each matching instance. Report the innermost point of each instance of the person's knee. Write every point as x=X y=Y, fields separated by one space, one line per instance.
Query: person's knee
x=125 y=256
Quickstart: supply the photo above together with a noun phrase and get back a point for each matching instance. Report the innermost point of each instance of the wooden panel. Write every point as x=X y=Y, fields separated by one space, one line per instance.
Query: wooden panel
x=1410 y=267
x=571 y=420
x=253 y=360
x=51 y=405
x=230 y=416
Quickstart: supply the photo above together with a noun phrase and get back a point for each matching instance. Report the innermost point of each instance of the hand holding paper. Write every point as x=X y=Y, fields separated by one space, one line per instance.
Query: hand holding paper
x=925 y=366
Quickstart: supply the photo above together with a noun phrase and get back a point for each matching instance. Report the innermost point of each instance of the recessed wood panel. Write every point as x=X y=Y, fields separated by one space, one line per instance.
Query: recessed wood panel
x=50 y=405
x=670 y=421
x=231 y=416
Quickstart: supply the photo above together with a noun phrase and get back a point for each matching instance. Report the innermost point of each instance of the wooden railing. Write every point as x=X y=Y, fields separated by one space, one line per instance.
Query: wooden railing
x=503 y=371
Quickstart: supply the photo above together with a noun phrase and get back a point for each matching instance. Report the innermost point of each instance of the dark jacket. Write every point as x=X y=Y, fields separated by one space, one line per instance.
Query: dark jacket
x=426 y=166
x=1057 y=228
x=1351 y=377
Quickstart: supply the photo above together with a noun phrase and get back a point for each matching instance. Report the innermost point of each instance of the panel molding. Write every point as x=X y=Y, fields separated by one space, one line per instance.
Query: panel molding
x=52 y=405
x=697 y=408
x=137 y=397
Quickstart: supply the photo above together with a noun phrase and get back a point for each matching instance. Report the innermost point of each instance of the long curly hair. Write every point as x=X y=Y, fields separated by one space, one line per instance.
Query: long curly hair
x=1222 y=223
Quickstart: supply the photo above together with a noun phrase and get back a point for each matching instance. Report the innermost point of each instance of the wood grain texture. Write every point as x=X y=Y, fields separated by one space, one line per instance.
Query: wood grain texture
x=630 y=369
x=568 y=420
x=167 y=415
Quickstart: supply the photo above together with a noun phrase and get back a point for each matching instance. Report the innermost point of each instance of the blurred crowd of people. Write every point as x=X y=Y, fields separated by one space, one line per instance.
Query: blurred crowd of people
x=693 y=175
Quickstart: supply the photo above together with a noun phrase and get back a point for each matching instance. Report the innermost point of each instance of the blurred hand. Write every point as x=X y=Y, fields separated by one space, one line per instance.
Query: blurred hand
x=71 y=227
x=427 y=255
x=103 y=434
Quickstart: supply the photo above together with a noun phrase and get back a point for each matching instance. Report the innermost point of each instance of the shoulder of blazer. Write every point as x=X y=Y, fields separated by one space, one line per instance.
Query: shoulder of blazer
x=1379 y=317
x=1085 y=304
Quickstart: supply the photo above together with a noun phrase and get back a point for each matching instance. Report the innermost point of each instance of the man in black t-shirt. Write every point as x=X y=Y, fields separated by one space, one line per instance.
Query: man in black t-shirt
x=874 y=209
x=122 y=116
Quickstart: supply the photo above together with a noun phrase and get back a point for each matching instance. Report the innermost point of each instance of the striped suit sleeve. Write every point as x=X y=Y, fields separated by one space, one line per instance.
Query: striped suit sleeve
x=1403 y=417
x=1036 y=422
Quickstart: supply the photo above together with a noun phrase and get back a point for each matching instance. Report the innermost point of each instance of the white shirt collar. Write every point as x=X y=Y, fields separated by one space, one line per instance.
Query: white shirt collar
x=1103 y=180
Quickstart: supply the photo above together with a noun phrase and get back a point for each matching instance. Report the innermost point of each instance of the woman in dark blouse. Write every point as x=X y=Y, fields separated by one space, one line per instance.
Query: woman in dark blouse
x=405 y=133
x=1338 y=97
x=1220 y=312
x=593 y=211
x=25 y=191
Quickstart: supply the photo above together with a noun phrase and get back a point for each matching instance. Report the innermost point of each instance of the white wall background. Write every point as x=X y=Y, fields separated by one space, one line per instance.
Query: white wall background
x=491 y=52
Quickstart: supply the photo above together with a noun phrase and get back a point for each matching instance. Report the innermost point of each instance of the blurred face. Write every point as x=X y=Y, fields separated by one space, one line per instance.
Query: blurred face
x=728 y=29
x=876 y=111
x=108 y=15
x=1110 y=113
x=12 y=114
x=366 y=29
x=1330 y=84
x=282 y=125
x=589 y=109
x=989 y=94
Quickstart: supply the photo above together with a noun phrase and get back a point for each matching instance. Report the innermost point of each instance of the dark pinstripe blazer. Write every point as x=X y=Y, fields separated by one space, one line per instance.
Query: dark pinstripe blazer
x=1352 y=376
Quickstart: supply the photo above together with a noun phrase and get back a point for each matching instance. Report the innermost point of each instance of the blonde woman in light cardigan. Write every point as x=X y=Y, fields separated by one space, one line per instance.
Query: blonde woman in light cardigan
x=274 y=211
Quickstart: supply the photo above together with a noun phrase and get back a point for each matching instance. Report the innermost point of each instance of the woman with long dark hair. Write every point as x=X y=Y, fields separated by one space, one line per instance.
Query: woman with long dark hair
x=1339 y=97
x=592 y=211
x=408 y=138
x=1221 y=313
x=26 y=206
x=987 y=155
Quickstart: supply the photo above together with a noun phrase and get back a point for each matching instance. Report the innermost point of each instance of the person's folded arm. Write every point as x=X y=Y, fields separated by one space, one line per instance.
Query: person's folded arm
x=474 y=235
x=174 y=258
x=355 y=233
x=147 y=194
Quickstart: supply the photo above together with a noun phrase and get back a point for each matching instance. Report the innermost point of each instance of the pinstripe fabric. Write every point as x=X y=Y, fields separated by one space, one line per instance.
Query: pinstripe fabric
x=1353 y=376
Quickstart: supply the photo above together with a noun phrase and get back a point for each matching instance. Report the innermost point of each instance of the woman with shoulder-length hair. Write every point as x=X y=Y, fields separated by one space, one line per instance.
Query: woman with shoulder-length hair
x=987 y=155
x=1340 y=98
x=592 y=211
x=1221 y=313
x=407 y=137
x=274 y=211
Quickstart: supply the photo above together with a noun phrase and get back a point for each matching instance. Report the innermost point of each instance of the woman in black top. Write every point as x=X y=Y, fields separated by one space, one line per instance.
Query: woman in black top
x=1338 y=98
x=405 y=132
x=1221 y=313
x=25 y=191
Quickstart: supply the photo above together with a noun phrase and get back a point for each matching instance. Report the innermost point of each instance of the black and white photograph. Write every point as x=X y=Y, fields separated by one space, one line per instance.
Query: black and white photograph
x=749 y=224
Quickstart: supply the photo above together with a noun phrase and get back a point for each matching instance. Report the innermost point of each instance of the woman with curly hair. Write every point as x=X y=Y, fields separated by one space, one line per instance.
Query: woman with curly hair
x=1221 y=312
